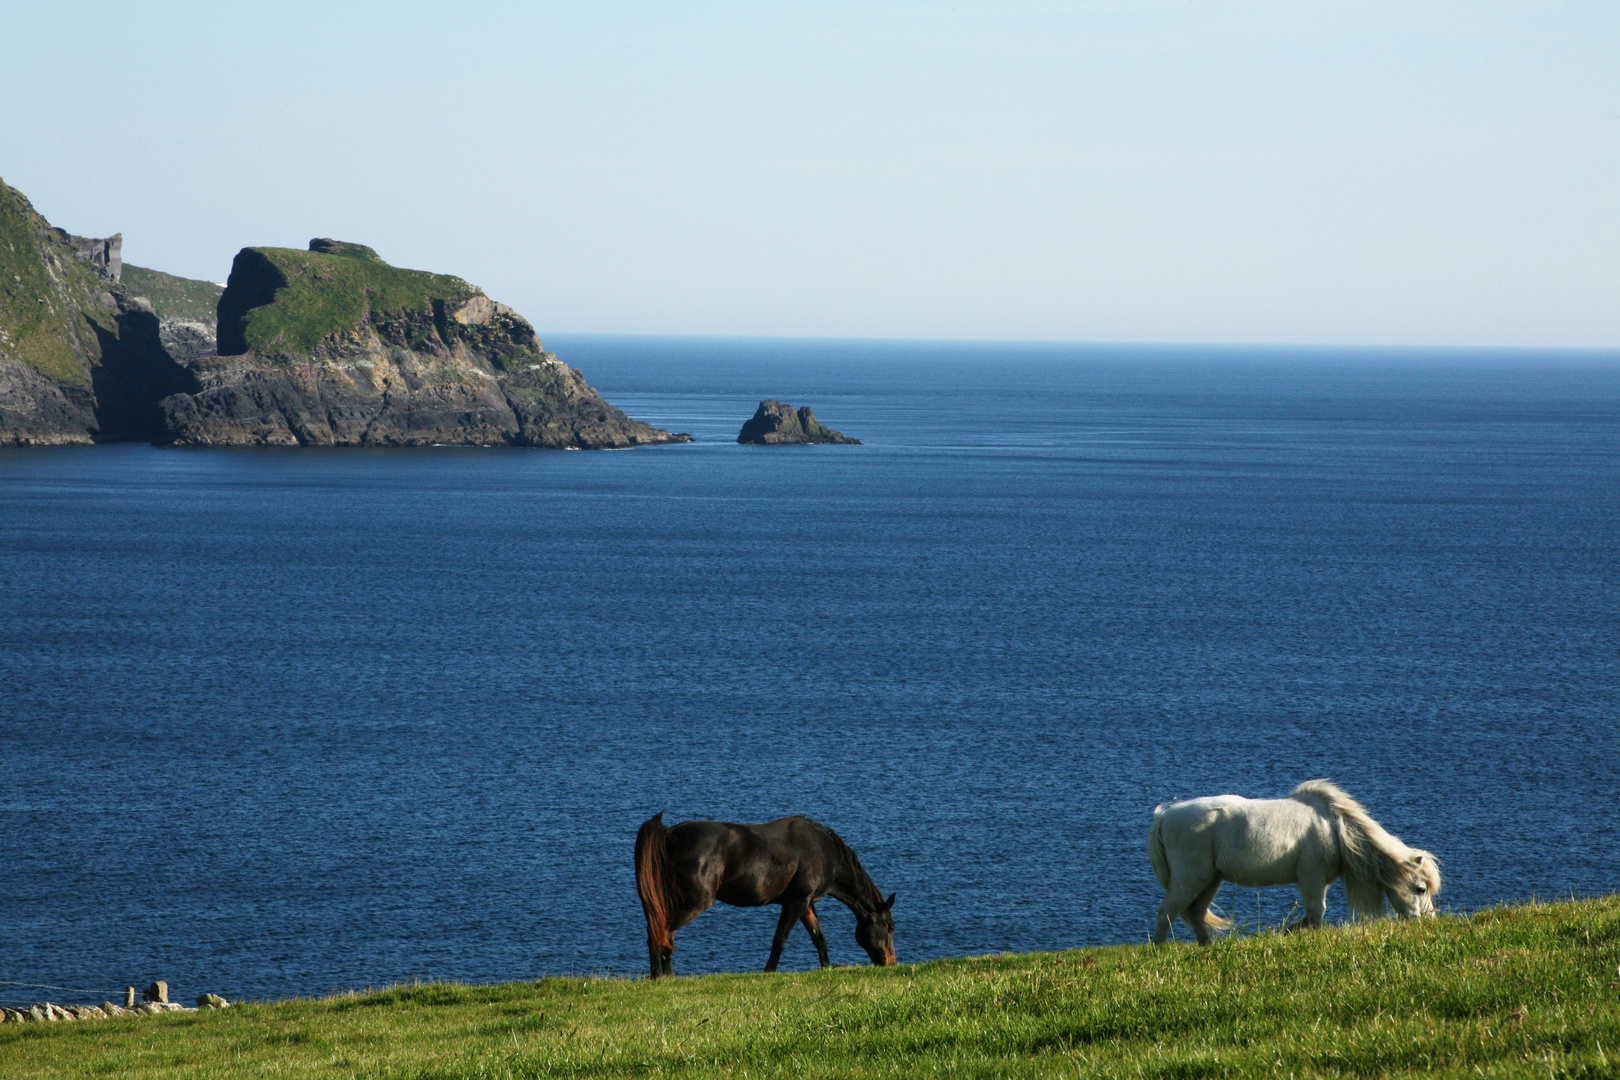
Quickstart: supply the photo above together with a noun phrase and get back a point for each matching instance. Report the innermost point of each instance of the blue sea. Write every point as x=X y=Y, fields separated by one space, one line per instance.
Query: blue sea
x=280 y=723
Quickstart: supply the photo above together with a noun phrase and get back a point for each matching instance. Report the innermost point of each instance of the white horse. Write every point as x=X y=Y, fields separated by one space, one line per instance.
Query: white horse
x=1315 y=836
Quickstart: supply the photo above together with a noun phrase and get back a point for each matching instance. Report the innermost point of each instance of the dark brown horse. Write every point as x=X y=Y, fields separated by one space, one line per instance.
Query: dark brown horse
x=791 y=861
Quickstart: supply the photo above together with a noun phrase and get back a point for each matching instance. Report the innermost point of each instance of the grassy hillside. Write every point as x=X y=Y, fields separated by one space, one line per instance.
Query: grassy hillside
x=173 y=297
x=1524 y=991
x=48 y=299
x=281 y=302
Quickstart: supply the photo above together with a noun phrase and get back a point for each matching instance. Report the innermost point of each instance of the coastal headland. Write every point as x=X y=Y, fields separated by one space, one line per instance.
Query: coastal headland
x=326 y=347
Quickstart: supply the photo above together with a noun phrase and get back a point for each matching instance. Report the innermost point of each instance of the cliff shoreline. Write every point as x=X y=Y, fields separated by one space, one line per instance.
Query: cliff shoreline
x=329 y=346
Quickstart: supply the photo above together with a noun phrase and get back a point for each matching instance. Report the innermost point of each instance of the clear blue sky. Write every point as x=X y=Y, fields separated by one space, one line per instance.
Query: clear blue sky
x=1402 y=173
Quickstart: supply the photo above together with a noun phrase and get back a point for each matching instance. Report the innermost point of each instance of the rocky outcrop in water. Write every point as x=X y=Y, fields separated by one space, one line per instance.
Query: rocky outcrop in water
x=335 y=347
x=776 y=424
x=81 y=356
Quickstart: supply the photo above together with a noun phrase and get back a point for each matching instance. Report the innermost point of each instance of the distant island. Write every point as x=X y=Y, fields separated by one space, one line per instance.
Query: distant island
x=777 y=424
x=326 y=347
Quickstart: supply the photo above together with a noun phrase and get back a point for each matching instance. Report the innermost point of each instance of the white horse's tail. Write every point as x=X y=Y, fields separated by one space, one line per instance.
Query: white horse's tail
x=1156 y=855
x=1370 y=859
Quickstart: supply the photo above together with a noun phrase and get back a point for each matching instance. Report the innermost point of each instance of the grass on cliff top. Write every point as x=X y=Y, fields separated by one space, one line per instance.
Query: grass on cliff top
x=173 y=297
x=38 y=316
x=331 y=294
x=1521 y=991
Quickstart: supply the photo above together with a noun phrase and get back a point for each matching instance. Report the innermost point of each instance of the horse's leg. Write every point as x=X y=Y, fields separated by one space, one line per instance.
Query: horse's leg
x=813 y=924
x=792 y=912
x=1313 y=890
x=1166 y=922
x=660 y=961
x=663 y=960
x=1197 y=911
x=1177 y=898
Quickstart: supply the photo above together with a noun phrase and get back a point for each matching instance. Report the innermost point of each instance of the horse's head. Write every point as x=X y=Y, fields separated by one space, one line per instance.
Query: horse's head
x=1413 y=896
x=874 y=930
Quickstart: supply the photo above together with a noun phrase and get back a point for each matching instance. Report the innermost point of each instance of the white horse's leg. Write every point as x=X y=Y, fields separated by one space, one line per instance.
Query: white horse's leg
x=1313 y=890
x=1196 y=912
x=1167 y=919
x=1176 y=900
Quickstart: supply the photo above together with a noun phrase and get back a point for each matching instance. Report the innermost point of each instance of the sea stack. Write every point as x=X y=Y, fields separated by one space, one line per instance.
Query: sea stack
x=778 y=424
x=334 y=347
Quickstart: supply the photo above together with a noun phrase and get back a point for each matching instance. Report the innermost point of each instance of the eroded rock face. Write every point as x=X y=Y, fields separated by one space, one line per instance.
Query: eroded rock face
x=334 y=347
x=776 y=424
x=187 y=309
x=186 y=339
x=80 y=355
x=376 y=399
x=105 y=254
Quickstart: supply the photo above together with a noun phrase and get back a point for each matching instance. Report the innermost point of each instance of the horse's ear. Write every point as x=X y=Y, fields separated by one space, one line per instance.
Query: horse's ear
x=887 y=904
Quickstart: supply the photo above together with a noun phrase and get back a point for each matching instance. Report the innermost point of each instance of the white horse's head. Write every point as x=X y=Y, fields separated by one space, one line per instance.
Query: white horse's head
x=1412 y=895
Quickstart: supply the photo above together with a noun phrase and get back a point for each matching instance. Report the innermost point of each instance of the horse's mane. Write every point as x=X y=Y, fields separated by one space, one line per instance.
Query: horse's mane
x=1370 y=859
x=870 y=895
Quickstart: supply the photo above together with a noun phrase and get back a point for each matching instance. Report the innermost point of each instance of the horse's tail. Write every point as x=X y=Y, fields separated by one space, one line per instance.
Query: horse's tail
x=1156 y=855
x=1370 y=859
x=652 y=881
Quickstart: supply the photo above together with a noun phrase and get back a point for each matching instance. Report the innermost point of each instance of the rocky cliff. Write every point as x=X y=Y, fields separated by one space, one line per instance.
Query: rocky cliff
x=81 y=357
x=186 y=309
x=776 y=424
x=333 y=346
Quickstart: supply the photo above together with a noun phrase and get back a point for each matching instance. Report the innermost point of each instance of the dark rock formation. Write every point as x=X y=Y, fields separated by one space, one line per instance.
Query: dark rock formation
x=187 y=339
x=106 y=255
x=186 y=310
x=81 y=357
x=333 y=346
x=776 y=424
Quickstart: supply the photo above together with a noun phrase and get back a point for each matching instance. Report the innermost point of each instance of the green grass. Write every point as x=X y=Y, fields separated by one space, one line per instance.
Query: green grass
x=41 y=312
x=1521 y=991
x=334 y=294
x=173 y=297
